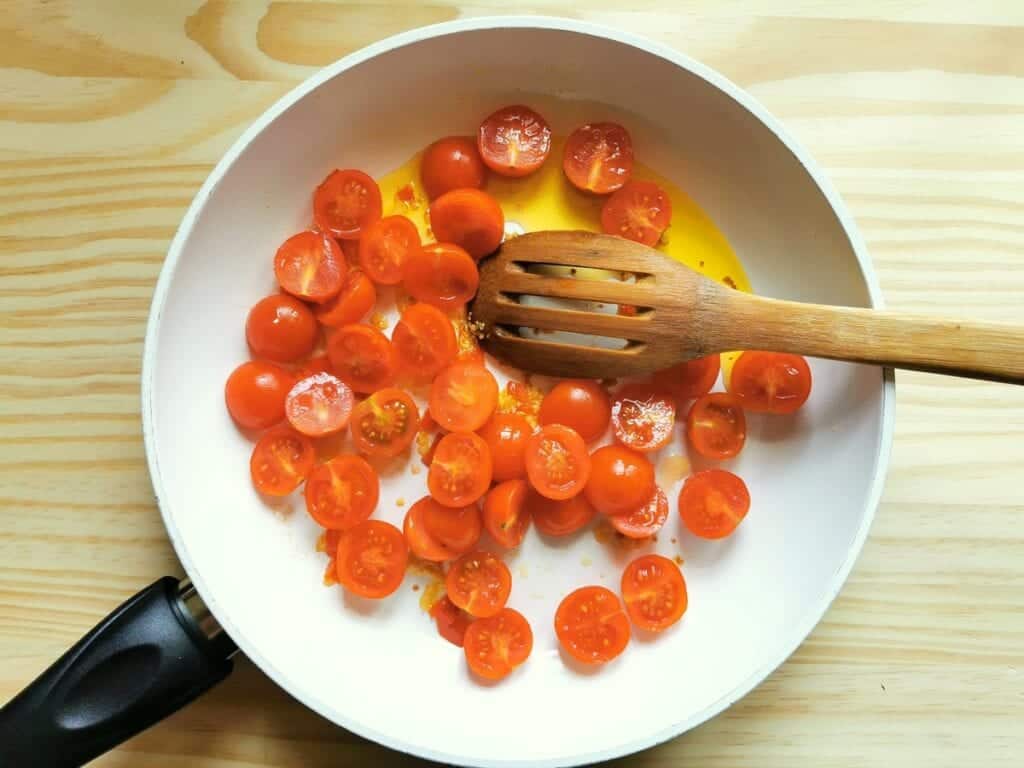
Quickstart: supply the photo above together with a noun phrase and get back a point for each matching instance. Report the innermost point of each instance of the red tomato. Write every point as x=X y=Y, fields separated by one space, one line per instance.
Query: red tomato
x=452 y=163
x=620 y=481
x=557 y=462
x=479 y=583
x=280 y=461
x=514 y=141
x=713 y=502
x=319 y=405
x=452 y=622
x=506 y=516
x=639 y=211
x=371 y=559
x=598 y=157
x=313 y=366
x=441 y=274
x=280 y=328
x=439 y=533
x=470 y=218
x=716 y=426
x=343 y=492
x=385 y=423
x=506 y=435
x=690 y=379
x=497 y=645
x=346 y=203
x=385 y=246
x=424 y=341
x=645 y=520
x=355 y=299
x=560 y=518
x=255 y=393
x=463 y=397
x=311 y=266
x=591 y=625
x=580 y=404
x=771 y=382
x=643 y=417
x=363 y=357
x=461 y=470
x=654 y=592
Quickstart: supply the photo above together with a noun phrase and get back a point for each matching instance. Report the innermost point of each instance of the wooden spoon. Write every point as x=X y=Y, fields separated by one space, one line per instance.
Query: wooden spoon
x=681 y=315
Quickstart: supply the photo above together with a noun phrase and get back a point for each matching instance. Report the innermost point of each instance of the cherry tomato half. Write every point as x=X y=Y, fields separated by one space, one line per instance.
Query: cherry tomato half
x=319 y=405
x=452 y=622
x=690 y=379
x=506 y=435
x=497 y=645
x=311 y=266
x=353 y=302
x=463 y=397
x=384 y=247
x=643 y=521
x=441 y=274
x=280 y=461
x=654 y=592
x=639 y=211
x=343 y=492
x=438 y=533
x=452 y=163
x=620 y=480
x=385 y=423
x=713 y=502
x=506 y=514
x=479 y=583
x=514 y=141
x=591 y=625
x=424 y=341
x=280 y=328
x=560 y=518
x=255 y=394
x=580 y=404
x=316 y=364
x=470 y=218
x=363 y=357
x=371 y=559
x=557 y=462
x=716 y=426
x=643 y=417
x=346 y=203
x=460 y=472
x=771 y=382
x=598 y=157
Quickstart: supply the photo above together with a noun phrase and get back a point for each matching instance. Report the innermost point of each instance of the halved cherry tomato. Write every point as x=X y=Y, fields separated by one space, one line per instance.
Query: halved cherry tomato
x=441 y=274
x=506 y=435
x=424 y=341
x=620 y=481
x=311 y=266
x=355 y=299
x=645 y=520
x=580 y=404
x=654 y=592
x=255 y=393
x=461 y=470
x=497 y=645
x=639 y=211
x=346 y=203
x=643 y=417
x=343 y=492
x=452 y=163
x=280 y=461
x=713 y=502
x=463 y=397
x=319 y=405
x=514 y=141
x=316 y=364
x=771 y=382
x=384 y=247
x=363 y=357
x=479 y=583
x=716 y=426
x=371 y=559
x=591 y=625
x=385 y=423
x=557 y=462
x=506 y=515
x=470 y=218
x=598 y=157
x=280 y=328
x=560 y=518
x=690 y=379
x=439 y=533
x=452 y=622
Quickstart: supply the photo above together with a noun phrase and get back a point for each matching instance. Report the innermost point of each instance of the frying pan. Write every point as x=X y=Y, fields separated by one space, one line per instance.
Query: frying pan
x=254 y=579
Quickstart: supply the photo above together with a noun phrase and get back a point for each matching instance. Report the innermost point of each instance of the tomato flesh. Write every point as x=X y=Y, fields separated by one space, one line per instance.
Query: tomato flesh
x=424 y=341
x=463 y=397
x=384 y=247
x=310 y=266
x=437 y=533
x=442 y=274
x=506 y=515
x=343 y=492
x=362 y=357
x=598 y=158
x=514 y=141
x=557 y=462
x=319 y=405
x=460 y=472
x=713 y=502
x=591 y=625
x=385 y=423
x=643 y=417
x=346 y=203
x=639 y=211
x=560 y=518
x=353 y=302
x=716 y=427
x=654 y=592
x=280 y=461
x=479 y=583
x=371 y=559
x=495 y=646
x=771 y=382
x=644 y=521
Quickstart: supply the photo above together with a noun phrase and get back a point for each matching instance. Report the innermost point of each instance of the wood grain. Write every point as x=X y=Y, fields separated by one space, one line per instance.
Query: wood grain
x=112 y=113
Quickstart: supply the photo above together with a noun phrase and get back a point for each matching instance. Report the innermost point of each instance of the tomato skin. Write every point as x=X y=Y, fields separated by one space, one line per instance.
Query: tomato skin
x=514 y=141
x=713 y=502
x=463 y=397
x=557 y=463
x=620 y=480
x=771 y=382
x=479 y=583
x=371 y=559
x=639 y=211
x=654 y=592
x=363 y=357
x=424 y=341
x=442 y=274
x=385 y=423
x=437 y=533
x=643 y=417
x=506 y=435
x=255 y=393
x=470 y=218
x=280 y=328
x=280 y=461
x=346 y=203
x=452 y=163
x=591 y=625
x=644 y=521
x=495 y=646
x=690 y=379
x=451 y=621
x=384 y=247
x=580 y=404
x=716 y=427
x=506 y=514
x=352 y=303
x=460 y=472
x=343 y=492
x=560 y=518
x=316 y=364
x=598 y=158
x=319 y=405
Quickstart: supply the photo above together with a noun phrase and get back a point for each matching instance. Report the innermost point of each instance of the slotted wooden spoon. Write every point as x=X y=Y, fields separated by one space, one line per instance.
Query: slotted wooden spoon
x=681 y=315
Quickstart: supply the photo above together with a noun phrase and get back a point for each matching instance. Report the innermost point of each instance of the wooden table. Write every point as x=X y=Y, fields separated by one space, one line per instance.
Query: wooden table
x=113 y=112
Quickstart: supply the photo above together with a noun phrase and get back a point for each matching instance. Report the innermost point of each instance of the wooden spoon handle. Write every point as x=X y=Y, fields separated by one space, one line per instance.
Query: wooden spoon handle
x=977 y=350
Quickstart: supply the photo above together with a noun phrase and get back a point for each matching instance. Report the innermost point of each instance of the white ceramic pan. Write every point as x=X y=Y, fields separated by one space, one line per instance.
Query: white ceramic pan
x=381 y=671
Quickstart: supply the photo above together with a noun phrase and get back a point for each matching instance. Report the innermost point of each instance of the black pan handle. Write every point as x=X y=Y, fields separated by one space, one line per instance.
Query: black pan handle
x=150 y=657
